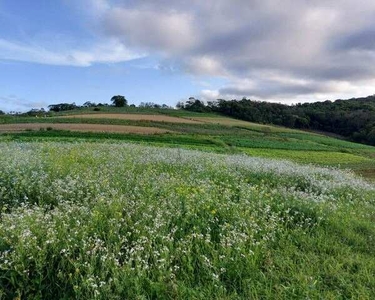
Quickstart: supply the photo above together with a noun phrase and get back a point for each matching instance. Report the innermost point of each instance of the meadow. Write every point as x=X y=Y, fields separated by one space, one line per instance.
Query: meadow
x=122 y=221
x=191 y=130
x=214 y=210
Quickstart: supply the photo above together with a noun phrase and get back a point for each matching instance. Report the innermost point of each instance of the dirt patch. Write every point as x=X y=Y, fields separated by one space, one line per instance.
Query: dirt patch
x=135 y=117
x=82 y=127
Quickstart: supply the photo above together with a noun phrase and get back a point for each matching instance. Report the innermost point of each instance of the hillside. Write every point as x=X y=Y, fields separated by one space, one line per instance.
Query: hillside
x=120 y=221
x=191 y=130
x=136 y=203
x=352 y=118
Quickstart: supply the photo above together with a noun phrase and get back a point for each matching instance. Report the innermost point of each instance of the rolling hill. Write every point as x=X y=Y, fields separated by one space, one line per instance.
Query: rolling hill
x=191 y=130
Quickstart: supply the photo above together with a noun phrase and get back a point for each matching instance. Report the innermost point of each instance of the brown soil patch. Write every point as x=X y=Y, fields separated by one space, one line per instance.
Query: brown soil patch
x=82 y=127
x=135 y=117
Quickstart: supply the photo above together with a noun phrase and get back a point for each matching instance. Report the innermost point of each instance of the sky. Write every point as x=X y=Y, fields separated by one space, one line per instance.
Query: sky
x=165 y=51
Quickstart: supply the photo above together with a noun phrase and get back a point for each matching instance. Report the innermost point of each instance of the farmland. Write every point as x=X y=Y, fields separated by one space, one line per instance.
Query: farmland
x=207 y=209
x=189 y=130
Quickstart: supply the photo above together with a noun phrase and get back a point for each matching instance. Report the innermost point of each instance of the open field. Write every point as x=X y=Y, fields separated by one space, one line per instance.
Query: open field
x=81 y=127
x=239 y=123
x=120 y=221
x=208 y=132
x=91 y=207
x=135 y=117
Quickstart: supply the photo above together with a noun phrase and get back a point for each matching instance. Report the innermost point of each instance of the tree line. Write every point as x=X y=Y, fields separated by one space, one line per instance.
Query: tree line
x=353 y=118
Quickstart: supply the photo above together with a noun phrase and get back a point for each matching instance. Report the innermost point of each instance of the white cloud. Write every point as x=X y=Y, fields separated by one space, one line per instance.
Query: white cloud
x=307 y=45
x=210 y=95
x=265 y=49
x=15 y=103
x=109 y=52
x=204 y=65
x=166 y=30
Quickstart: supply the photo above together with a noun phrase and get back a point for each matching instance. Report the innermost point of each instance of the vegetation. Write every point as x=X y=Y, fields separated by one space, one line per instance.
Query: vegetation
x=62 y=107
x=87 y=215
x=353 y=118
x=211 y=133
x=119 y=101
x=121 y=221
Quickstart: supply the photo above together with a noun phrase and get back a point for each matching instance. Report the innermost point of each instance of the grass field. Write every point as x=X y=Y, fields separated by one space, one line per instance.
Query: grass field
x=80 y=127
x=121 y=221
x=213 y=210
x=208 y=132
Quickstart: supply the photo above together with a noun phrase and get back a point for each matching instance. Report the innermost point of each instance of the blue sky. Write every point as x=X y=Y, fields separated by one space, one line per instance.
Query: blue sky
x=60 y=26
x=164 y=51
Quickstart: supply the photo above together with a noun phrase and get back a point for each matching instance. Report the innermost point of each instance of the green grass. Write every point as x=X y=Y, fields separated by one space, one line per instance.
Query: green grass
x=106 y=216
x=233 y=137
x=119 y=221
x=315 y=157
x=275 y=142
x=325 y=140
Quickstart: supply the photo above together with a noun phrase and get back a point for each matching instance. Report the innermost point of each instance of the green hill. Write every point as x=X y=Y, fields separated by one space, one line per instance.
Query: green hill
x=192 y=130
x=164 y=204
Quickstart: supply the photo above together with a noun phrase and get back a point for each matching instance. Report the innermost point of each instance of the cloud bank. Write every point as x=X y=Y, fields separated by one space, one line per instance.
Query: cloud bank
x=267 y=49
x=277 y=50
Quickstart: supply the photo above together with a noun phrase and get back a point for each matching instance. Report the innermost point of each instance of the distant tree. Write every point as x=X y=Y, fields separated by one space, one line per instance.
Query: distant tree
x=195 y=105
x=213 y=104
x=36 y=112
x=149 y=105
x=119 y=101
x=2 y=113
x=371 y=137
x=62 y=107
x=180 y=105
x=89 y=104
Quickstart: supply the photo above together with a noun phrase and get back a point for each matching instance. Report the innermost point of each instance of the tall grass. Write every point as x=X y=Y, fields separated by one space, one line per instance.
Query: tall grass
x=107 y=221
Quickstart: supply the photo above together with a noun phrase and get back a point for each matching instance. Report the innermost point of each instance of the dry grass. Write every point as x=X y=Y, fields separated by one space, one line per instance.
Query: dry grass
x=223 y=120
x=135 y=117
x=239 y=123
x=82 y=127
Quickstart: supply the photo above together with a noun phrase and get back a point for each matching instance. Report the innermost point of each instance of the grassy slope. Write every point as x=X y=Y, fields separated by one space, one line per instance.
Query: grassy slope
x=219 y=134
x=296 y=232
x=114 y=221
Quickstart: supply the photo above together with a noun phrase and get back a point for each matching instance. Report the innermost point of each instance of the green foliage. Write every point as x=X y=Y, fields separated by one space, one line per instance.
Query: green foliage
x=62 y=107
x=315 y=157
x=213 y=133
x=108 y=221
x=353 y=118
x=119 y=101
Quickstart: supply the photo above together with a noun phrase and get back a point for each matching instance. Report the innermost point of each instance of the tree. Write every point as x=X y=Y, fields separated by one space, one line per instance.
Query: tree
x=2 y=113
x=180 y=105
x=62 y=107
x=371 y=137
x=89 y=104
x=195 y=105
x=119 y=101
